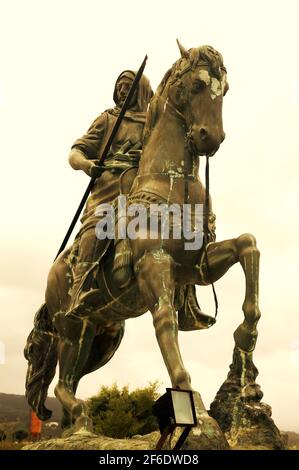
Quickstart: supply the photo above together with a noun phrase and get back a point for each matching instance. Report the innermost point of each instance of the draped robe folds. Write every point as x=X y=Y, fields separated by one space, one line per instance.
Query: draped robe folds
x=92 y=144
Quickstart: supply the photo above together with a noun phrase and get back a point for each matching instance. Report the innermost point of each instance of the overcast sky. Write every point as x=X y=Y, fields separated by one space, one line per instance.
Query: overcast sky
x=58 y=64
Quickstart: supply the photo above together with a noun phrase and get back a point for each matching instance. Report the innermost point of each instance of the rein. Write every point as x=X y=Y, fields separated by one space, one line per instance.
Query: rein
x=169 y=103
x=206 y=229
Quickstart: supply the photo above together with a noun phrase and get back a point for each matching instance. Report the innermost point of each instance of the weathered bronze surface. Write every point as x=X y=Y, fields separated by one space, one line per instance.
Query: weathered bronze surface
x=81 y=323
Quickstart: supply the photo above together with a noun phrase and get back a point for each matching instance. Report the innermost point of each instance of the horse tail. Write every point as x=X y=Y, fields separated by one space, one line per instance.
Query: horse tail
x=41 y=354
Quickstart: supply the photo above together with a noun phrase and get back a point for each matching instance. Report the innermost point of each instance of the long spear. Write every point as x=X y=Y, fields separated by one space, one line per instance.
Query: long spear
x=103 y=156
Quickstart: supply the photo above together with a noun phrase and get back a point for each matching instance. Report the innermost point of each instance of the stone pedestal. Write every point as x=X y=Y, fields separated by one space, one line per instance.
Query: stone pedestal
x=237 y=407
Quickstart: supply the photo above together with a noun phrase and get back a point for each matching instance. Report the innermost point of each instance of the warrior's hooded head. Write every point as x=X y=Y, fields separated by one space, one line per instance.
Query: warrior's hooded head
x=140 y=99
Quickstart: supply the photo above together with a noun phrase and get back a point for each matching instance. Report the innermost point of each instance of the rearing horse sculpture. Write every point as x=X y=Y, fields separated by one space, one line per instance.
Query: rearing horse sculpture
x=184 y=122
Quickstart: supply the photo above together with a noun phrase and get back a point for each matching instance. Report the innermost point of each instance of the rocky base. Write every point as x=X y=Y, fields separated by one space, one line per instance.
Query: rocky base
x=237 y=420
x=237 y=407
x=252 y=427
x=82 y=440
x=245 y=440
x=208 y=436
x=88 y=441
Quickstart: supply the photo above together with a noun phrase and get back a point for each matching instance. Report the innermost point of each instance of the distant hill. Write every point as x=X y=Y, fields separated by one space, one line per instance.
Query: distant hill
x=293 y=438
x=16 y=408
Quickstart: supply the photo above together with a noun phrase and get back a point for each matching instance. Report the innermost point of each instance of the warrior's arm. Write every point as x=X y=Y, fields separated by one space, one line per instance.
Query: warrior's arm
x=79 y=161
x=84 y=152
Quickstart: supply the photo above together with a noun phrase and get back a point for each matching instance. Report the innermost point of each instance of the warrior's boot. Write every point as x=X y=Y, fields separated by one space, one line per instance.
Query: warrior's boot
x=123 y=263
x=83 y=280
x=190 y=315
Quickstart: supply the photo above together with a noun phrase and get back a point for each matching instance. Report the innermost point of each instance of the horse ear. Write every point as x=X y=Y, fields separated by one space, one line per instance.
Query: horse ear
x=183 y=51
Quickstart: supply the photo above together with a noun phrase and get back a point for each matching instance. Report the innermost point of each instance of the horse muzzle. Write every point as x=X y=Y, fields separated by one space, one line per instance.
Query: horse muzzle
x=203 y=141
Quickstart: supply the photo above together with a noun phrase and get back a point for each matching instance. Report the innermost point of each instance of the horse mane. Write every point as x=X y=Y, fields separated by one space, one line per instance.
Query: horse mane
x=209 y=55
x=206 y=54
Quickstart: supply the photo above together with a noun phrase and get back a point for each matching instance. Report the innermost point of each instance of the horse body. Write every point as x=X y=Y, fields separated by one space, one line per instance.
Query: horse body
x=184 y=122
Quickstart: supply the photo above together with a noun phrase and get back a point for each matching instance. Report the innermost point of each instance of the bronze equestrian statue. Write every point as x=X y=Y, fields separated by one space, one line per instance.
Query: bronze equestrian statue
x=87 y=302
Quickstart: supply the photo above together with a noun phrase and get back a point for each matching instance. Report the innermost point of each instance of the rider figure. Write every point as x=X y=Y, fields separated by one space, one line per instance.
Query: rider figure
x=124 y=153
x=76 y=333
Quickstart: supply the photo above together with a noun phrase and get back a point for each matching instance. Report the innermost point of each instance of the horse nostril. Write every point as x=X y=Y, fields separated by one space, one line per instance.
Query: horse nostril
x=203 y=134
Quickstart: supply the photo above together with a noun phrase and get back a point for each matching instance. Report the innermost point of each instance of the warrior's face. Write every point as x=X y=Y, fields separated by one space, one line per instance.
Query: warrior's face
x=123 y=86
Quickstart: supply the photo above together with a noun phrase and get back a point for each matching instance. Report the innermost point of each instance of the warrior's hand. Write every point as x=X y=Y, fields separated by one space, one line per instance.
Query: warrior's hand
x=135 y=153
x=94 y=169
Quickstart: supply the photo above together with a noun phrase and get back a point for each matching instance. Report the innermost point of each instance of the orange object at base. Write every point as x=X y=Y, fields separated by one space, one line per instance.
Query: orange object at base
x=35 y=427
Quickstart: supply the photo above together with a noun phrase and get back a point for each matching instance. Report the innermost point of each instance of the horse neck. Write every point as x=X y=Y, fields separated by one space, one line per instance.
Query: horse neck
x=165 y=149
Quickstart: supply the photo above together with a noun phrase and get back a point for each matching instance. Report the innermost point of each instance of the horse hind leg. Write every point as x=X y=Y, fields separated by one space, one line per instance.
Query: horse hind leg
x=103 y=347
x=75 y=340
x=67 y=420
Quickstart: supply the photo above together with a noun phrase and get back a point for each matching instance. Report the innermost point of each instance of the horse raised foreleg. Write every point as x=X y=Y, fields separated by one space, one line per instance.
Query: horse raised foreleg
x=248 y=254
x=240 y=382
x=155 y=274
x=223 y=255
x=237 y=406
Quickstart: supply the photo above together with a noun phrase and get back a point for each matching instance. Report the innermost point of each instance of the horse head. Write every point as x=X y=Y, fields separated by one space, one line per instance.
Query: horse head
x=195 y=87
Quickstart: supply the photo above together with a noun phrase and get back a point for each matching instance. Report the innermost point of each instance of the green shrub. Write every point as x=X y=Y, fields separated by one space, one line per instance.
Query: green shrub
x=119 y=413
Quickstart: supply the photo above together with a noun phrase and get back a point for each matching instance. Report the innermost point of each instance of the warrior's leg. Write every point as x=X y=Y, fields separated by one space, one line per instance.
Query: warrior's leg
x=156 y=282
x=82 y=282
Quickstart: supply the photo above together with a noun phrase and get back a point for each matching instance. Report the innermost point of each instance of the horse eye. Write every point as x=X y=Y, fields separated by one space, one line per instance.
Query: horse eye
x=197 y=86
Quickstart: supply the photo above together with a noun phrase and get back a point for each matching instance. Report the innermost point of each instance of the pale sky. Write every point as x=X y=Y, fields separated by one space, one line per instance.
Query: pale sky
x=58 y=64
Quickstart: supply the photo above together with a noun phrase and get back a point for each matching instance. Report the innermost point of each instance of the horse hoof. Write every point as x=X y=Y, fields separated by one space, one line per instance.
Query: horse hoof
x=207 y=435
x=78 y=410
x=44 y=414
x=83 y=424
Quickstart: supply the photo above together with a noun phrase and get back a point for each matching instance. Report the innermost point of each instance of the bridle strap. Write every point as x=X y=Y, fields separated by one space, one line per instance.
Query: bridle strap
x=169 y=103
x=206 y=229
